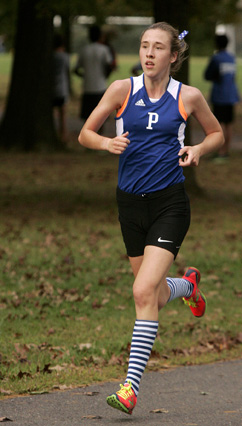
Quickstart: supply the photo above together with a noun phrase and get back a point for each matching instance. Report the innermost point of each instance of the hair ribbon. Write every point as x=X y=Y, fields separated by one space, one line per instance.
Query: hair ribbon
x=183 y=34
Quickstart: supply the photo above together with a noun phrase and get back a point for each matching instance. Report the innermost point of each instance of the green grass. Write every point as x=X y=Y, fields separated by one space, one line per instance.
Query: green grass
x=125 y=63
x=6 y=60
x=5 y=72
x=66 y=305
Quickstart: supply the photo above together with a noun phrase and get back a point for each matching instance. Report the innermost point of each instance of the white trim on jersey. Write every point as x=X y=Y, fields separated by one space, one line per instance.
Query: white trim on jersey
x=173 y=87
x=138 y=83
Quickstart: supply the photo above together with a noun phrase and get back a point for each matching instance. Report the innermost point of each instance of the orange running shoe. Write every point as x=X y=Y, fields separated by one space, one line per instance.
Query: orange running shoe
x=124 y=400
x=197 y=301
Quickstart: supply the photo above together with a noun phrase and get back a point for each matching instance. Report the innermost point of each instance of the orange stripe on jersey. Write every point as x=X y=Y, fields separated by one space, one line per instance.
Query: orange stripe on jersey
x=121 y=110
x=182 y=108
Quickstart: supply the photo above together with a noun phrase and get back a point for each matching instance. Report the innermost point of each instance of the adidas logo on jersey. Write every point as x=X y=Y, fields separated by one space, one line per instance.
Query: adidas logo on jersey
x=140 y=103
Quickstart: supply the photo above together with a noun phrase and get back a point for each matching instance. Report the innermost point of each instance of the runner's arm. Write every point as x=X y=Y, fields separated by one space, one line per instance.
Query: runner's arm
x=196 y=105
x=112 y=100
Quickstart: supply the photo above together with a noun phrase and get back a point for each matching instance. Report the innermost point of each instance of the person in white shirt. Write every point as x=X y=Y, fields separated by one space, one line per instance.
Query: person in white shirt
x=92 y=64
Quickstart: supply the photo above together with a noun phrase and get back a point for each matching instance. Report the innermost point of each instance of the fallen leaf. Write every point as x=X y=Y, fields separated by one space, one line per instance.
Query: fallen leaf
x=171 y=313
x=21 y=349
x=62 y=387
x=85 y=346
x=116 y=360
x=96 y=304
x=89 y=393
x=57 y=368
x=159 y=410
x=81 y=319
x=5 y=392
x=91 y=417
x=46 y=369
x=21 y=374
x=231 y=235
x=212 y=277
x=49 y=239
x=120 y=308
x=153 y=362
x=237 y=293
x=239 y=338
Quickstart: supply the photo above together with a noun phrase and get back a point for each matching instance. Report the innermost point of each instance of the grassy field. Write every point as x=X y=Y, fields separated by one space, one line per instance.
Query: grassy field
x=197 y=67
x=125 y=63
x=66 y=305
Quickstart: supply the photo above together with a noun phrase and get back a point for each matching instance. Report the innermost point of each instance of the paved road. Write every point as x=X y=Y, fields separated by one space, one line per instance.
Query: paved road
x=207 y=395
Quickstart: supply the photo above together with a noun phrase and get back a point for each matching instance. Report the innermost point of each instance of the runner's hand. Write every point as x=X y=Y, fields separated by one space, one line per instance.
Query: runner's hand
x=118 y=144
x=189 y=156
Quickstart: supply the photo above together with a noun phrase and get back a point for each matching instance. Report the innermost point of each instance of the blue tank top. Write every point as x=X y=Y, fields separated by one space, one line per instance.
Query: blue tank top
x=156 y=132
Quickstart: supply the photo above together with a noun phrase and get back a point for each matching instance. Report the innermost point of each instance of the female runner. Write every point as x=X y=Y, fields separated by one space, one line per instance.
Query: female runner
x=154 y=212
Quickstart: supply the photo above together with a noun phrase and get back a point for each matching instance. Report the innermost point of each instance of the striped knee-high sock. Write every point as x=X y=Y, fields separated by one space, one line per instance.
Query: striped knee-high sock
x=144 y=335
x=179 y=287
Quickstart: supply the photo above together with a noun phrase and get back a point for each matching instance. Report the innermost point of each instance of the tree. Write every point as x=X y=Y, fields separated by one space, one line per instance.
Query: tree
x=28 y=122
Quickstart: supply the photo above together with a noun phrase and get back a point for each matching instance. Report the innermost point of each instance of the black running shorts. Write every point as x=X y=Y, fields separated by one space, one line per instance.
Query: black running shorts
x=159 y=219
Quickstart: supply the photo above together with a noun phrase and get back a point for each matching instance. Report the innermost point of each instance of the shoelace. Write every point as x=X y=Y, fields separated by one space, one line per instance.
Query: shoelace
x=125 y=391
x=189 y=302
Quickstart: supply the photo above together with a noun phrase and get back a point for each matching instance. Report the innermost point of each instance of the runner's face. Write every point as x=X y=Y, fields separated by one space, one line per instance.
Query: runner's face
x=155 y=52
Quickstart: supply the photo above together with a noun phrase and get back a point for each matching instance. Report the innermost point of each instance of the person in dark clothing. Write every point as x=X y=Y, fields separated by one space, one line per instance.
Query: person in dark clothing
x=61 y=83
x=221 y=70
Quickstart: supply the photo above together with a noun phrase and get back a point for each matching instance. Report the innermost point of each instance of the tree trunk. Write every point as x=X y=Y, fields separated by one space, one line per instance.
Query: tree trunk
x=176 y=13
x=28 y=120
